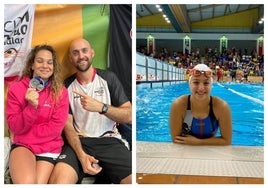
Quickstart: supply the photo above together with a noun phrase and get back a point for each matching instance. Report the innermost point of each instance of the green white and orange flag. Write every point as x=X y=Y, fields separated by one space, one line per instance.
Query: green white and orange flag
x=107 y=27
x=58 y=25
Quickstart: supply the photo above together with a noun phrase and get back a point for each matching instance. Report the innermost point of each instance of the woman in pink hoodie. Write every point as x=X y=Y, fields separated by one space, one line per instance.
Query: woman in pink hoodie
x=36 y=111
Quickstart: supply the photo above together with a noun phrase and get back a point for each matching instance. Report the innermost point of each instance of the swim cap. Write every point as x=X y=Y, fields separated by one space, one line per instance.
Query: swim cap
x=202 y=67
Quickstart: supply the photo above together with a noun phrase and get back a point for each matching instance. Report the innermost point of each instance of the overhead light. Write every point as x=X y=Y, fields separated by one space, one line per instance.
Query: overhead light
x=261 y=20
x=164 y=15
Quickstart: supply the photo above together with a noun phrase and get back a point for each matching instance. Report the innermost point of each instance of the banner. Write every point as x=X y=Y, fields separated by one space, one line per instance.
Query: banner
x=260 y=46
x=150 y=45
x=18 y=28
x=120 y=56
x=186 y=45
x=223 y=44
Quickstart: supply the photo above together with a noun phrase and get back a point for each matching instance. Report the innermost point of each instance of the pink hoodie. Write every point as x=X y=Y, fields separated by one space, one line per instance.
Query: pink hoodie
x=38 y=129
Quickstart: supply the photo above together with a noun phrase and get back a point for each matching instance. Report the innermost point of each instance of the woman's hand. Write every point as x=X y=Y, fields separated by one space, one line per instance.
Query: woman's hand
x=188 y=139
x=32 y=96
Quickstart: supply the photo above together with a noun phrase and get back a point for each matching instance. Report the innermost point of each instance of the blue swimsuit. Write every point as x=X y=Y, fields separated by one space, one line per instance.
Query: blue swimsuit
x=200 y=128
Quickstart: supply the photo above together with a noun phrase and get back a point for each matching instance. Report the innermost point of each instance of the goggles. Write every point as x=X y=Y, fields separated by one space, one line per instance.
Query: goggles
x=197 y=73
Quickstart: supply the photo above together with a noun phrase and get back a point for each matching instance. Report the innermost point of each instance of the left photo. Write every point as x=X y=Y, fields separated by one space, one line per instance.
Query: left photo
x=67 y=94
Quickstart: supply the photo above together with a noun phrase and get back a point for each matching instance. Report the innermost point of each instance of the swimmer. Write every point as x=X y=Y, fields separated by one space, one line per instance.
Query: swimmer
x=204 y=114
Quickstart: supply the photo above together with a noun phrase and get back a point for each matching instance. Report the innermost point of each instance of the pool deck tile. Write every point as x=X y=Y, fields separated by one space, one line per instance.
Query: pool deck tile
x=167 y=162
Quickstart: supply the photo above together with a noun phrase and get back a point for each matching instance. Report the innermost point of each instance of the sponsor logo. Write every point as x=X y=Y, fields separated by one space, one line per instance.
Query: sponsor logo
x=62 y=156
x=99 y=91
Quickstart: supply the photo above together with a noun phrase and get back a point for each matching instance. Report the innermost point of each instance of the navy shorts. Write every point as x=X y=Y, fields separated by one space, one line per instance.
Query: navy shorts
x=114 y=157
x=38 y=158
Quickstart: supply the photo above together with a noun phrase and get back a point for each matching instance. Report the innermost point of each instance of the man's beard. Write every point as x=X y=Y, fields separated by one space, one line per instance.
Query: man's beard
x=84 y=69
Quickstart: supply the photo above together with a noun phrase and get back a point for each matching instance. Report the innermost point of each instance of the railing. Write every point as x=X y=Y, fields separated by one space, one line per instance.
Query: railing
x=150 y=70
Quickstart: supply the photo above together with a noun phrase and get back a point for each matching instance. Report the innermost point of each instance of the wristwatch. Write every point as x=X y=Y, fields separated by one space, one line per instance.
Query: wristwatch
x=104 y=109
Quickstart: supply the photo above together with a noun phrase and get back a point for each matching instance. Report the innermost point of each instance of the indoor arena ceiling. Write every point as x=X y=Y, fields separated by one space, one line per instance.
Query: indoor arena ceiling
x=200 y=18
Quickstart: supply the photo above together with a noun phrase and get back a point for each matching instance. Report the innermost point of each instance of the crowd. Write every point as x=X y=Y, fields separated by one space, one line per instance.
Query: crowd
x=237 y=64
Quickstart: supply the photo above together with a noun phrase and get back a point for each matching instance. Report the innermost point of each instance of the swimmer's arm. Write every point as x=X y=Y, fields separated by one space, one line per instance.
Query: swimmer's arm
x=191 y=140
x=225 y=123
x=177 y=111
x=223 y=114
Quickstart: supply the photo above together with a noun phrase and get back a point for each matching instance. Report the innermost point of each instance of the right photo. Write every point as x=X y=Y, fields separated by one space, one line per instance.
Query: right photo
x=200 y=93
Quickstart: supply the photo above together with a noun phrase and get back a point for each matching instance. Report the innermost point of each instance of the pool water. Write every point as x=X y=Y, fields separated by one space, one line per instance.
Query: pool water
x=245 y=101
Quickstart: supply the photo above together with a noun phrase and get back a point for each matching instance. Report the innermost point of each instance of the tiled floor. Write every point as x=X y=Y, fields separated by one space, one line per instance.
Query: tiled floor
x=170 y=163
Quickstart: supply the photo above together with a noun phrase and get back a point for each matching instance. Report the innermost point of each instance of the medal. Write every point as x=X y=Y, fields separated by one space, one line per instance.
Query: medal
x=37 y=83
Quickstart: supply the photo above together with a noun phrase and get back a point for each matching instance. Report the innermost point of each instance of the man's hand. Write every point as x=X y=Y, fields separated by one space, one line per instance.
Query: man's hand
x=89 y=103
x=90 y=165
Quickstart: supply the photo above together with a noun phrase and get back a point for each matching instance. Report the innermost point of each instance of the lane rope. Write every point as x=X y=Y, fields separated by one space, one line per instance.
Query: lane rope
x=243 y=95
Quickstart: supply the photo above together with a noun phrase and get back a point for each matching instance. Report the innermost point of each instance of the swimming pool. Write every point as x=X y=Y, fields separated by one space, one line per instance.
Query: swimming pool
x=245 y=100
